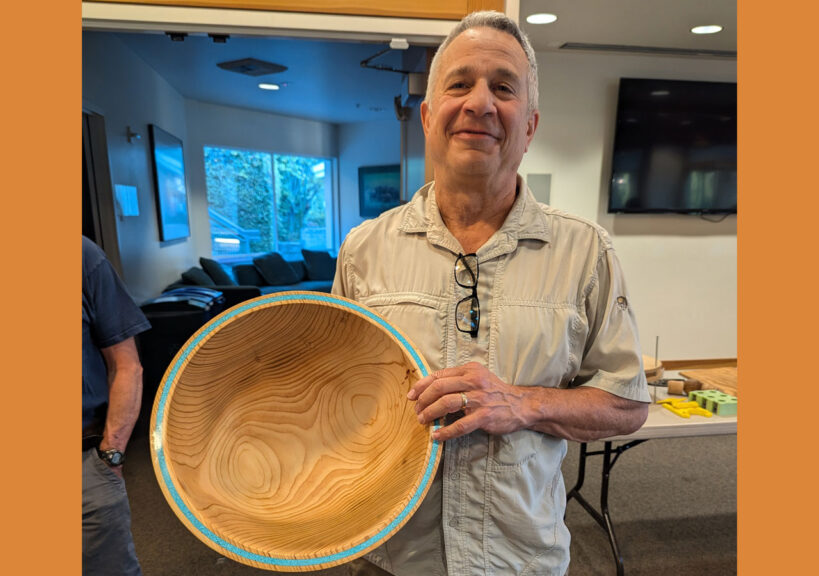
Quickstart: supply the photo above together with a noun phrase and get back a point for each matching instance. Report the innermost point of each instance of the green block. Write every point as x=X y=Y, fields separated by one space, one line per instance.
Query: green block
x=715 y=401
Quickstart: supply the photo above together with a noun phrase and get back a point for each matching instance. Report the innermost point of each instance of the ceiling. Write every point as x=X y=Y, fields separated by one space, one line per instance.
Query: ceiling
x=654 y=23
x=325 y=80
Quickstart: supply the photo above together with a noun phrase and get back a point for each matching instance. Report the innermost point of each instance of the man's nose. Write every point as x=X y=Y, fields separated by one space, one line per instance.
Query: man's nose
x=481 y=100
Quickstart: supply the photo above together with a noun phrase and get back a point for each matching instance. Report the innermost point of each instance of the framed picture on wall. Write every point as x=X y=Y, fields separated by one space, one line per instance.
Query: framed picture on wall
x=379 y=189
x=170 y=186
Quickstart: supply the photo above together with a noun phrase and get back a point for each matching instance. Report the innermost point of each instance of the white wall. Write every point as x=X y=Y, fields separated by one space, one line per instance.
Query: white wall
x=363 y=144
x=121 y=87
x=681 y=270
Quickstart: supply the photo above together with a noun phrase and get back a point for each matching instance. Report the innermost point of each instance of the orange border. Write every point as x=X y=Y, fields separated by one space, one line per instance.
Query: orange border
x=41 y=359
x=778 y=126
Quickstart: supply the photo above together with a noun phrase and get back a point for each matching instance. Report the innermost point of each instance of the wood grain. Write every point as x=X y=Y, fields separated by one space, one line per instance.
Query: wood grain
x=289 y=435
x=724 y=379
x=700 y=363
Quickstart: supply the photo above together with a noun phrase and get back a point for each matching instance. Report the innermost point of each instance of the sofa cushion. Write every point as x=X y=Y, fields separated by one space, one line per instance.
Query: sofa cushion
x=275 y=269
x=248 y=275
x=216 y=272
x=298 y=267
x=197 y=276
x=320 y=265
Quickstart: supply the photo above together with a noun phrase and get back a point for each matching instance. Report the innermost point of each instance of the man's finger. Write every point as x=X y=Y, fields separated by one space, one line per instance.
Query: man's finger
x=447 y=404
x=460 y=427
x=439 y=389
x=419 y=387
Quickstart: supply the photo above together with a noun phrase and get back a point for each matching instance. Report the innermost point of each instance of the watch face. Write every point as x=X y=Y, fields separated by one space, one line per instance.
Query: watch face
x=112 y=457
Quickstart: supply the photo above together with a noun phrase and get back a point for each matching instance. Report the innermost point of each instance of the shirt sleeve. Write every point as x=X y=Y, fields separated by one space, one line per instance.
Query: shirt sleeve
x=116 y=317
x=340 y=281
x=612 y=359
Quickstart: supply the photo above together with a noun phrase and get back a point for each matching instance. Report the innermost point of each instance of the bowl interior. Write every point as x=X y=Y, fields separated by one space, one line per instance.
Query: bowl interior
x=288 y=433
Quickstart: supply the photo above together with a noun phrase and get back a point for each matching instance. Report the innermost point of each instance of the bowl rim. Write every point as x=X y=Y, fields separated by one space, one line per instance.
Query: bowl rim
x=189 y=518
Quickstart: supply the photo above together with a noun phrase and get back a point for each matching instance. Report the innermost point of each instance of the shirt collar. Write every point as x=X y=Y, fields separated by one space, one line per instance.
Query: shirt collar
x=525 y=221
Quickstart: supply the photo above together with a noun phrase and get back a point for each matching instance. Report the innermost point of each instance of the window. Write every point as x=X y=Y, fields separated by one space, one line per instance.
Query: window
x=260 y=202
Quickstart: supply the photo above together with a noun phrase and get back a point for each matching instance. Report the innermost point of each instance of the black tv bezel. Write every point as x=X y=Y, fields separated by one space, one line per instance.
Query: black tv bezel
x=609 y=210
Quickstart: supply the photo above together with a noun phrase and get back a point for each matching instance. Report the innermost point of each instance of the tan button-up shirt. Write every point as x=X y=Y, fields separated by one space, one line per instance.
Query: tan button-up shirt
x=554 y=312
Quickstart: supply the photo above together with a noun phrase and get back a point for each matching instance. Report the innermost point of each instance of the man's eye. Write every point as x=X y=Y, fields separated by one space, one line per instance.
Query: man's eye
x=457 y=86
x=504 y=88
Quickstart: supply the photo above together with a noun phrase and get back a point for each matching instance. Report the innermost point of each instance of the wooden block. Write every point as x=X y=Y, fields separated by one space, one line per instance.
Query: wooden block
x=675 y=388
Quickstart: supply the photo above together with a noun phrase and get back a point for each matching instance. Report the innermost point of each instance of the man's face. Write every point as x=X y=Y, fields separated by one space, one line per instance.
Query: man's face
x=477 y=121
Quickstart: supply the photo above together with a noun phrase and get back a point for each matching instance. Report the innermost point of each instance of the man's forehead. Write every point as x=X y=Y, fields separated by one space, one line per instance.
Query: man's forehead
x=473 y=44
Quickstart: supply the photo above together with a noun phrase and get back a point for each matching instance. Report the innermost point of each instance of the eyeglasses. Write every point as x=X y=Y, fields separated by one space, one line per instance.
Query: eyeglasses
x=468 y=310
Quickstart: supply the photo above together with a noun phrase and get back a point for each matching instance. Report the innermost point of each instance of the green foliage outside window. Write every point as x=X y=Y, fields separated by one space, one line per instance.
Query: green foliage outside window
x=299 y=196
x=247 y=217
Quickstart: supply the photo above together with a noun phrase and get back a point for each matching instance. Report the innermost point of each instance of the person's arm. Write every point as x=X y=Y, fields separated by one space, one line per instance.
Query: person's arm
x=124 y=393
x=582 y=414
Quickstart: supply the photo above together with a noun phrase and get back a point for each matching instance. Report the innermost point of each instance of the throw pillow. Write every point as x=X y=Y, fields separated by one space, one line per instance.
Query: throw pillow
x=197 y=277
x=299 y=269
x=248 y=275
x=320 y=265
x=216 y=272
x=275 y=270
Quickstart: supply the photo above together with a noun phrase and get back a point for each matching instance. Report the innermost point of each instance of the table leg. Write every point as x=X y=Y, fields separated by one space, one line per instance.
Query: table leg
x=604 y=507
x=603 y=518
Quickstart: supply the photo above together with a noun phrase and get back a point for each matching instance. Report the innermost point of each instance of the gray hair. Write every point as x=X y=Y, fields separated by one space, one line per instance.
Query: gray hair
x=497 y=21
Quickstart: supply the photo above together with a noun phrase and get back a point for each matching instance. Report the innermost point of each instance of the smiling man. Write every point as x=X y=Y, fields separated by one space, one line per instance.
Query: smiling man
x=520 y=310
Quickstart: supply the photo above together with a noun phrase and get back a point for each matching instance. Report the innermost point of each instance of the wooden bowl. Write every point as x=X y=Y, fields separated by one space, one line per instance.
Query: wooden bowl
x=653 y=368
x=282 y=437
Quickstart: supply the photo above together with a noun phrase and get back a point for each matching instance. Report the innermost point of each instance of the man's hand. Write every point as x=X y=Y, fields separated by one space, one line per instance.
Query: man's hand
x=582 y=414
x=491 y=404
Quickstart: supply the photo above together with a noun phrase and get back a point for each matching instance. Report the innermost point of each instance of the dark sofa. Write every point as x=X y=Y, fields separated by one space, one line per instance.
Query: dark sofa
x=267 y=274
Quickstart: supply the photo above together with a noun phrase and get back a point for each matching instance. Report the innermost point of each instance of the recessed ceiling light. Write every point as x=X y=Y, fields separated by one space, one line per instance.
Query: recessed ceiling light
x=542 y=18
x=711 y=29
x=266 y=86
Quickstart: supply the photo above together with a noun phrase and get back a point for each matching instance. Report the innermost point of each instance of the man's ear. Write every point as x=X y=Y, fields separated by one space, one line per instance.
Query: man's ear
x=425 y=117
x=531 y=126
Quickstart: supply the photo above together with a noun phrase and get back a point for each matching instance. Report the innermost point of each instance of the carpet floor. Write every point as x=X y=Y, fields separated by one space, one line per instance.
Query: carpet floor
x=672 y=502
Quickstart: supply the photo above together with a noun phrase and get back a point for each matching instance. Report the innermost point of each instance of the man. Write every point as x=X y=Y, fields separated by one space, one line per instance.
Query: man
x=111 y=397
x=520 y=310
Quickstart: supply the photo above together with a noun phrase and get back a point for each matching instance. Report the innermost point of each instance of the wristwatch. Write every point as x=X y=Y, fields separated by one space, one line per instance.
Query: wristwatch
x=112 y=456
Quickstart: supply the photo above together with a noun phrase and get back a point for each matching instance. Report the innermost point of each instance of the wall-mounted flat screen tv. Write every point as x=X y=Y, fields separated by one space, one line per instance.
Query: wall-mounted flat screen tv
x=675 y=147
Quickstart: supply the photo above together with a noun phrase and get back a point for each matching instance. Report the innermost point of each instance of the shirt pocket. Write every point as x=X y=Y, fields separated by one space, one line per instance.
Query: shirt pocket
x=538 y=343
x=420 y=317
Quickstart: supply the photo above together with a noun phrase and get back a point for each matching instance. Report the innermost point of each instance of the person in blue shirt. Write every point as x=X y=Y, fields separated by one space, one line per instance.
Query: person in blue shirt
x=111 y=398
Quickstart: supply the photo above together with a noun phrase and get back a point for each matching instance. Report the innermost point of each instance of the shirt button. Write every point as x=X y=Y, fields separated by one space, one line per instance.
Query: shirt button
x=453 y=522
x=454 y=476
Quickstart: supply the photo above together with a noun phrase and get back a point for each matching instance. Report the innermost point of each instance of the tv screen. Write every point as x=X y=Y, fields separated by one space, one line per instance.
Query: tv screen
x=675 y=147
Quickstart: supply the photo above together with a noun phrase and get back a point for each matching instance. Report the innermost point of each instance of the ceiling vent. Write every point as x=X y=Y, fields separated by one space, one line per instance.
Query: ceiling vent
x=653 y=50
x=252 y=67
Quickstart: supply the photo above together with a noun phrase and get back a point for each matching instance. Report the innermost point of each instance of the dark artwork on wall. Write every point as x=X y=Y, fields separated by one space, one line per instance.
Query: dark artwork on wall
x=169 y=182
x=379 y=189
